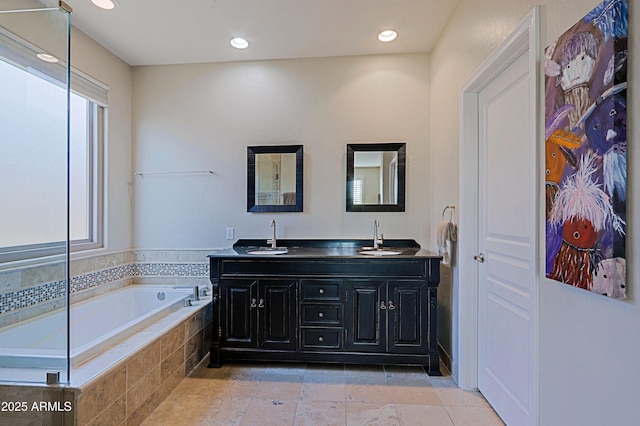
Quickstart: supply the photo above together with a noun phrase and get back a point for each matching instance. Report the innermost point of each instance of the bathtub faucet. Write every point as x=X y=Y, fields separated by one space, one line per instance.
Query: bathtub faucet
x=196 y=290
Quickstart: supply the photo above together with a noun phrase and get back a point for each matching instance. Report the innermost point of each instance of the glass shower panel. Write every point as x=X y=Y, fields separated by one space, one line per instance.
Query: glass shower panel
x=34 y=259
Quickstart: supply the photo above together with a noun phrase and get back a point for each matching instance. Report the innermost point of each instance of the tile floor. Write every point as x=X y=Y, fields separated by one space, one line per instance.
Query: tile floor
x=279 y=394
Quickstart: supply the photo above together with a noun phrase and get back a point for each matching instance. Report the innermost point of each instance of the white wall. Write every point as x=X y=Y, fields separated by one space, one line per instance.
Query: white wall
x=94 y=60
x=203 y=117
x=589 y=345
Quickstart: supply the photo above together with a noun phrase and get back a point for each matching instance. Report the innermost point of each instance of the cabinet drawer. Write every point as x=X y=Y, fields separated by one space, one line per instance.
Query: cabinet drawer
x=321 y=315
x=321 y=290
x=321 y=338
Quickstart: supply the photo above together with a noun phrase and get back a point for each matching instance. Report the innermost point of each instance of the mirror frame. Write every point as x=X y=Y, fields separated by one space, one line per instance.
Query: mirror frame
x=251 y=178
x=401 y=148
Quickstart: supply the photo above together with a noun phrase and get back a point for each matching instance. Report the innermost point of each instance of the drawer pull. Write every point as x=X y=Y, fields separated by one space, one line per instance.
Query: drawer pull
x=322 y=291
x=320 y=339
x=321 y=314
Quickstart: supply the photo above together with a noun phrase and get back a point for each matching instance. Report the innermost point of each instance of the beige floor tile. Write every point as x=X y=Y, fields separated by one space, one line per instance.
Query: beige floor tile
x=371 y=414
x=228 y=412
x=403 y=372
x=474 y=416
x=323 y=388
x=419 y=415
x=320 y=413
x=207 y=388
x=267 y=412
x=180 y=408
x=373 y=389
x=456 y=397
x=412 y=391
x=316 y=369
x=244 y=370
x=364 y=370
x=288 y=368
x=280 y=387
x=442 y=382
x=242 y=388
x=319 y=394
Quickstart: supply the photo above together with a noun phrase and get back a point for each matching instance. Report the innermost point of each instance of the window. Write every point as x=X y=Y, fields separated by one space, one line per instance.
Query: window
x=33 y=158
x=358 y=191
x=85 y=173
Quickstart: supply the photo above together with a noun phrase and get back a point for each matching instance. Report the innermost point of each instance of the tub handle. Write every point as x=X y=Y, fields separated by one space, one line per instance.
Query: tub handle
x=253 y=303
x=261 y=304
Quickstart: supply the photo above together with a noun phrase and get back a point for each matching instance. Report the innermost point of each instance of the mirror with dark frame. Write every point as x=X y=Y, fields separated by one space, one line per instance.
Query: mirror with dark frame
x=376 y=177
x=274 y=178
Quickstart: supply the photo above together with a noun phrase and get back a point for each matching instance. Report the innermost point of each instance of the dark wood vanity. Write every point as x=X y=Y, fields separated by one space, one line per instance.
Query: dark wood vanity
x=325 y=301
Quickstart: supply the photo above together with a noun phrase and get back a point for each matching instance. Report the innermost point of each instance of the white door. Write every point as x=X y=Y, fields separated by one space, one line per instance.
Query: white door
x=506 y=241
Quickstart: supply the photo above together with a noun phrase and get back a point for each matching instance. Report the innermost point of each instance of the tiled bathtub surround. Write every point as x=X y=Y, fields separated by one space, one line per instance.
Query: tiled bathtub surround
x=30 y=291
x=129 y=391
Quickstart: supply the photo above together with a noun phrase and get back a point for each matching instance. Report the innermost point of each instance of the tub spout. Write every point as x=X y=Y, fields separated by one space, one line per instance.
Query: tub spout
x=195 y=289
x=188 y=302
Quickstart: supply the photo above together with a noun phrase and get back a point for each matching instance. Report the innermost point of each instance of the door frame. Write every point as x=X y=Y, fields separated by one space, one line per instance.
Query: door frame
x=525 y=37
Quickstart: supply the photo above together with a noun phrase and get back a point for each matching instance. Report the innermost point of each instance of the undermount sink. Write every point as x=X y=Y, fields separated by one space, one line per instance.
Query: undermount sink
x=269 y=250
x=380 y=252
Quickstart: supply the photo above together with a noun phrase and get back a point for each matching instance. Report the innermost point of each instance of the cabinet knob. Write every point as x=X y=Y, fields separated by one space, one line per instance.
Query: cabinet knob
x=253 y=303
x=383 y=306
x=320 y=339
x=261 y=303
x=321 y=315
x=322 y=291
x=391 y=305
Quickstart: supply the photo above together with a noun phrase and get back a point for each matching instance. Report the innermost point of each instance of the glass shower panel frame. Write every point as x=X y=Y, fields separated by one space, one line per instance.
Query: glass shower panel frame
x=34 y=185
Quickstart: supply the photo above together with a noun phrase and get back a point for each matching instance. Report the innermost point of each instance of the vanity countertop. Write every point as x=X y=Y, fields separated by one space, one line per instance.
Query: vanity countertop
x=316 y=248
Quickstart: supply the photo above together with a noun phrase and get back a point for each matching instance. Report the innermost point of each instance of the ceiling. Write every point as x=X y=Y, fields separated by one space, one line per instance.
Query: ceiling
x=153 y=32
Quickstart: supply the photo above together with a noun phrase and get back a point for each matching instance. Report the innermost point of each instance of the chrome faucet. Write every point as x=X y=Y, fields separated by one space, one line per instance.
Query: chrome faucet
x=377 y=242
x=196 y=292
x=273 y=241
x=195 y=288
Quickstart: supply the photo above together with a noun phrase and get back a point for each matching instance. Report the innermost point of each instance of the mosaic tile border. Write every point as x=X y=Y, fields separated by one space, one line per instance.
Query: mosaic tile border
x=31 y=296
x=171 y=269
x=45 y=292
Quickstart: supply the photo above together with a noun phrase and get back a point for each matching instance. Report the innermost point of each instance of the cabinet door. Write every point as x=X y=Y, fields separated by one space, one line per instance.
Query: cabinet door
x=365 y=332
x=239 y=322
x=277 y=314
x=407 y=316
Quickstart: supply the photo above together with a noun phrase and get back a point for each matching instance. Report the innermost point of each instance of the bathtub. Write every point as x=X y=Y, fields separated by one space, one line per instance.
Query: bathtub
x=96 y=324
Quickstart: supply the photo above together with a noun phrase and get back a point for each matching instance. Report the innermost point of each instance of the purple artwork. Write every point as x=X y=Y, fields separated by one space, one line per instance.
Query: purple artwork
x=586 y=152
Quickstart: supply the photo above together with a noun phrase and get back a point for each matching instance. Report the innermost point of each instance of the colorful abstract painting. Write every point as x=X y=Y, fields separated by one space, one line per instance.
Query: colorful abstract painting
x=586 y=152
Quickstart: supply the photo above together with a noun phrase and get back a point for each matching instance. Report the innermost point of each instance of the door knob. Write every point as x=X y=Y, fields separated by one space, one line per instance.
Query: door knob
x=479 y=258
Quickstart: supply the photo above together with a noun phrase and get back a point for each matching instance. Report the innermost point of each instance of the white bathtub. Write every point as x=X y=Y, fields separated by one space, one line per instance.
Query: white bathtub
x=96 y=324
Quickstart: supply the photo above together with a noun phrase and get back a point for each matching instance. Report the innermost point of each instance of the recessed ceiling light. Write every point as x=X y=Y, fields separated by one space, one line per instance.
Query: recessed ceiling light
x=105 y=4
x=239 y=43
x=387 y=36
x=47 y=58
